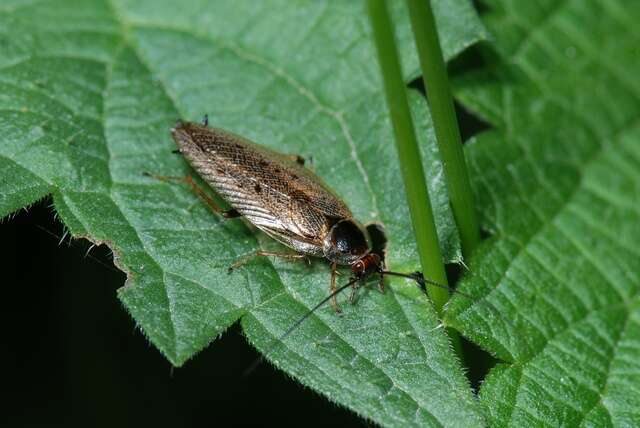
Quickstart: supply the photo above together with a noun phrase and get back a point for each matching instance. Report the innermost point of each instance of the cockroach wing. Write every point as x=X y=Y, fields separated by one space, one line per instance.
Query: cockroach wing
x=269 y=189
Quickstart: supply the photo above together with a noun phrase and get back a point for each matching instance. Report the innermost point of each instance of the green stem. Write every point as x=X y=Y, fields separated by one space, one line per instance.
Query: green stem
x=408 y=152
x=436 y=83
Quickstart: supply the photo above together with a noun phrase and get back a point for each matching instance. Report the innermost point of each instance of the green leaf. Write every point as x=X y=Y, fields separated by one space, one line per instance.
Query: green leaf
x=88 y=92
x=558 y=183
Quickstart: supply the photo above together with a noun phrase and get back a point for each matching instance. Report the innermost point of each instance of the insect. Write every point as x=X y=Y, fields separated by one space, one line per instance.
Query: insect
x=284 y=199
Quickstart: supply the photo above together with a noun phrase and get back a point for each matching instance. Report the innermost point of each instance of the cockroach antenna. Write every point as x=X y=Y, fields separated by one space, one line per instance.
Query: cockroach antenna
x=295 y=325
x=422 y=282
x=418 y=277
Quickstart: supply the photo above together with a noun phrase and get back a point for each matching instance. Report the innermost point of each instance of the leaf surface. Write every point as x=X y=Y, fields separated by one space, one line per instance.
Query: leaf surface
x=558 y=185
x=88 y=92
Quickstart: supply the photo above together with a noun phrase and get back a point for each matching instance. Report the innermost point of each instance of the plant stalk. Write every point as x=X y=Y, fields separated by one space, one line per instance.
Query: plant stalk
x=408 y=152
x=436 y=82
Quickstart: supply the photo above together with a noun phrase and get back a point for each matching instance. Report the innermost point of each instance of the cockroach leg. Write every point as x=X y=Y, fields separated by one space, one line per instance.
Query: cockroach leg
x=381 y=284
x=245 y=259
x=332 y=288
x=188 y=180
x=354 y=292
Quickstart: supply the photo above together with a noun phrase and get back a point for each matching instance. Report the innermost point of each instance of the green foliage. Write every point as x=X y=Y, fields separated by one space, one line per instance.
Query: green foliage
x=558 y=184
x=88 y=92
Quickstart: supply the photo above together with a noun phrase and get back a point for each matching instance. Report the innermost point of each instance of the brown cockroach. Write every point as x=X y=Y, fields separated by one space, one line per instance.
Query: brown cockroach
x=280 y=196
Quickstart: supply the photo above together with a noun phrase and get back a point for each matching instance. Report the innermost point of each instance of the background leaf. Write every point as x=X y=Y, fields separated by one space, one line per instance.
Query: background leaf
x=88 y=91
x=558 y=183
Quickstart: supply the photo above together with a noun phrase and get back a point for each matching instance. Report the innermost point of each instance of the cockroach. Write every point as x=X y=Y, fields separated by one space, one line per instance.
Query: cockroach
x=287 y=201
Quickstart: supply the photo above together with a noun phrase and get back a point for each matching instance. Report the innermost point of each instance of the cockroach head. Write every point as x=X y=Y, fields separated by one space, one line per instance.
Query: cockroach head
x=367 y=265
x=346 y=242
